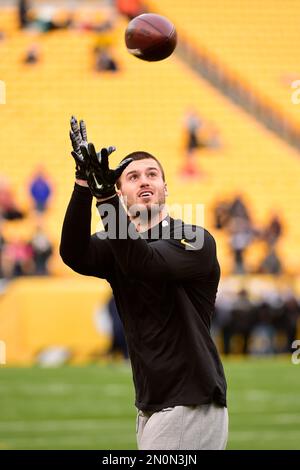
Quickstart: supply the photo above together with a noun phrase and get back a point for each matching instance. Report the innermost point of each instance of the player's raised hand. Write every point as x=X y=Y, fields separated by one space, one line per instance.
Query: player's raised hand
x=100 y=178
x=78 y=136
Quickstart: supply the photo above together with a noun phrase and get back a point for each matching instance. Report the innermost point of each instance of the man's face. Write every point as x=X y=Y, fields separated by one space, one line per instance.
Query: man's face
x=142 y=186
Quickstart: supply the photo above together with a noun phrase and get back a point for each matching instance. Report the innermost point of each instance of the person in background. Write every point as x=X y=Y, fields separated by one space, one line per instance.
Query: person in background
x=2 y=244
x=17 y=258
x=273 y=230
x=42 y=250
x=104 y=62
x=9 y=209
x=130 y=8
x=192 y=125
x=242 y=318
x=271 y=263
x=23 y=9
x=40 y=190
x=241 y=236
x=118 y=344
x=241 y=232
x=32 y=55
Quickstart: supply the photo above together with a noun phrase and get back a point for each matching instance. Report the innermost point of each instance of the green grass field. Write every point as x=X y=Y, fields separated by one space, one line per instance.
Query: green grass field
x=92 y=407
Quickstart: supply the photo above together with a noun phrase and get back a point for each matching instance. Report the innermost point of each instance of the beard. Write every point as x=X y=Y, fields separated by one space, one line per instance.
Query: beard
x=146 y=212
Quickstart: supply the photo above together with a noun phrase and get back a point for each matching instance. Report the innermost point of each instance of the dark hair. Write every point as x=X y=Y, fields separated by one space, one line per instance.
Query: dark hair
x=141 y=155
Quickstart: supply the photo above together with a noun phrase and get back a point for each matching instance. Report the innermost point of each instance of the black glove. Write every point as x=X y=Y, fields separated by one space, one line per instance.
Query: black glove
x=78 y=137
x=100 y=178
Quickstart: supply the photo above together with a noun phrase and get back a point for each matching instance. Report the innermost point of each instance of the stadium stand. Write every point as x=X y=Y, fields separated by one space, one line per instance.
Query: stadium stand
x=139 y=107
x=257 y=41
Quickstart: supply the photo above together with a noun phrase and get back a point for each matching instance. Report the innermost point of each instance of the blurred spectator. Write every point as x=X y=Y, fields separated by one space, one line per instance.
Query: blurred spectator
x=2 y=244
x=192 y=125
x=241 y=235
x=292 y=314
x=23 y=10
x=8 y=206
x=221 y=214
x=222 y=321
x=271 y=264
x=266 y=325
x=198 y=134
x=40 y=190
x=32 y=55
x=273 y=231
x=105 y=31
x=118 y=345
x=104 y=61
x=41 y=250
x=285 y=321
x=238 y=208
x=224 y=211
x=242 y=318
x=130 y=8
x=262 y=339
x=17 y=259
x=108 y=321
x=45 y=19
x=105 y=39
x=234 y=217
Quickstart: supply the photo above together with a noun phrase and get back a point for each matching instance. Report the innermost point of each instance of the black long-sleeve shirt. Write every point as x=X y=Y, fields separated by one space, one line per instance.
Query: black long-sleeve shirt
x=165 y=295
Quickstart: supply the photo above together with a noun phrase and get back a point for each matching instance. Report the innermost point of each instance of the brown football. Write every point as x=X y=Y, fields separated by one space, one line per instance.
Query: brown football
x=150 y=37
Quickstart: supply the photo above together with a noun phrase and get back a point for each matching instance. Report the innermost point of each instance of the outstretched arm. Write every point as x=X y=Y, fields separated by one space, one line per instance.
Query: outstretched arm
x=85 y=254
x=162 y=259
x=82 y=252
